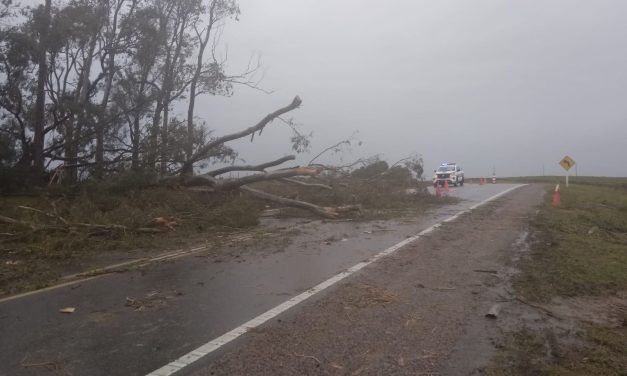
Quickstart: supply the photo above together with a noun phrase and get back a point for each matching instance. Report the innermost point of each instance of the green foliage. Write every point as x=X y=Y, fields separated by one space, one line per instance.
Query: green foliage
x=372 y=170
x=46 y=255
x=8 y=153
x=123 y=182
x=146 y=52
x=399 y=176
x=403 y=173
x=415 y=164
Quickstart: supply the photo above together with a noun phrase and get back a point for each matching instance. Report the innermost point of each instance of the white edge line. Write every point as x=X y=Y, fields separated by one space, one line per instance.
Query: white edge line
x=215 y=344
x=107 y=270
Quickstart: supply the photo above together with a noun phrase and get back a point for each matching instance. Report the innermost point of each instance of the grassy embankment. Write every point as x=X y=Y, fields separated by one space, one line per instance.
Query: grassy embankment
x=580 y=253
x=34 y=258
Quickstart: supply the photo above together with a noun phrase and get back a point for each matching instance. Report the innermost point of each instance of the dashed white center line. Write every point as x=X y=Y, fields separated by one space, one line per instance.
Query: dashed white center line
x=216 y=343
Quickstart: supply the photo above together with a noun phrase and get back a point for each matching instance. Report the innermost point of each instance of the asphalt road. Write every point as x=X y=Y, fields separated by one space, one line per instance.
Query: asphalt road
x=135 y=322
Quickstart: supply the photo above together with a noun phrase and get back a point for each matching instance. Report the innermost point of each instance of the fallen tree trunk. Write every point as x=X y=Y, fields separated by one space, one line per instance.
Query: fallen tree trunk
x=260 y=167
x=327 y=212
x=234 y=183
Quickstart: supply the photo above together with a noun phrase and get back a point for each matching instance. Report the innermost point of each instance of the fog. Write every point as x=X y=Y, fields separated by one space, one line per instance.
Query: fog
x=503 y=84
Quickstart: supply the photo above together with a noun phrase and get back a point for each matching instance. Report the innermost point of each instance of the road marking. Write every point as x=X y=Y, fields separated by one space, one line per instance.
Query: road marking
x=216 y=343
x=101 y=272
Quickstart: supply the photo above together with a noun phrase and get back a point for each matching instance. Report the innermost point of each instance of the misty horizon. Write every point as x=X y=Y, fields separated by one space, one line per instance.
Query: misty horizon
x=510 y=86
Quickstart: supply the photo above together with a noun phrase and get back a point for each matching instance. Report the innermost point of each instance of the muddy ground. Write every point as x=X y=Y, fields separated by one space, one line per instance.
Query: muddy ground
x=419 y=311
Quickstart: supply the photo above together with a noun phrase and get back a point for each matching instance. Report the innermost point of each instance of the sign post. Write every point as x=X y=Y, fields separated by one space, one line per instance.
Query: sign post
x=567 y=163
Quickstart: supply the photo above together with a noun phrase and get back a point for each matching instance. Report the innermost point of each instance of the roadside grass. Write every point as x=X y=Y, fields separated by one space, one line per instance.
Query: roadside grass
x=615 y=182
x=31 y=259
x=581 y=250
x=600 y=351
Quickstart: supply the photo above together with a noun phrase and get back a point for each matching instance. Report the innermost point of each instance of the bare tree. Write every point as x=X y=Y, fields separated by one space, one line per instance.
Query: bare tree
x=39 y=115
x=209 y=74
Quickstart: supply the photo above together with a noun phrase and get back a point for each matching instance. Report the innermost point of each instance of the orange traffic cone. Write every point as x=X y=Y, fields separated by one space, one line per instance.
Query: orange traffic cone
x=446 y=186
x=556 y=197
x=438 y=192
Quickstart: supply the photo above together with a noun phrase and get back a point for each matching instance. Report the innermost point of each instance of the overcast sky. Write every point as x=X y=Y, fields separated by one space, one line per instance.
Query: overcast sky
x=511 y=84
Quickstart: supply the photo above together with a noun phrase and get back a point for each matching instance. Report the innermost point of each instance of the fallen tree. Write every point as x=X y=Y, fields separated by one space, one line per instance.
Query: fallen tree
x=205 y=151
x=327 y=212
x=211 y=181
x=307 y=179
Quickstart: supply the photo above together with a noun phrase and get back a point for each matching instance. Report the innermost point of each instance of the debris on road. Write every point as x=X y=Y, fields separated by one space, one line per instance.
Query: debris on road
x=444 y=288
x=67 y=310
x=366 y=295
x=486 y=271
x=494 y=311
x=49 y=366
x=154 y=299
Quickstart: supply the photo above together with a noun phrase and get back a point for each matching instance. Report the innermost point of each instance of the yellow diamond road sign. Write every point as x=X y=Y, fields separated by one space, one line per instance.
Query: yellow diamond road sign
x=567 y=163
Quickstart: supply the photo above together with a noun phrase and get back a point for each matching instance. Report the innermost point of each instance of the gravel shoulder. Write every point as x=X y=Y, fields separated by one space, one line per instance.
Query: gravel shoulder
x=419 y=311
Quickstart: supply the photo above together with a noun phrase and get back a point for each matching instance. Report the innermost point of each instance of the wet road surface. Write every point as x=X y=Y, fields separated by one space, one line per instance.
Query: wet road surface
x=135 y=322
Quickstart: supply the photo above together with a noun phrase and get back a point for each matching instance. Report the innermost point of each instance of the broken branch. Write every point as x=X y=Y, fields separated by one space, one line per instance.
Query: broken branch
x=234 y=183
x=260 y=167
x=203 y=151
x=319 y=210
x=326 y=212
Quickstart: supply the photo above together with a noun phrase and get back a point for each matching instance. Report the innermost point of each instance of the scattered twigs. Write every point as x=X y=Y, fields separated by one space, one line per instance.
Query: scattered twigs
x=334 y=147
x=45 y=364
x=49 y=366
x=11 y=221
x=49 y=215
x=489 y=271
x=536 y=306
x=308 y=357
x=72 y=226
x=36 y=211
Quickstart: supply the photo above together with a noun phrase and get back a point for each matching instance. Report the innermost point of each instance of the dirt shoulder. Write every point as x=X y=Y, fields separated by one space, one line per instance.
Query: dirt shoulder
x=403 y=315
x=570 y=312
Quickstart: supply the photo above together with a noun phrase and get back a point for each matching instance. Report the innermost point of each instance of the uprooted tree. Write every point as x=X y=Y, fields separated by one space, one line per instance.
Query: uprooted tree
x=88 y=90
x=211 y=180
